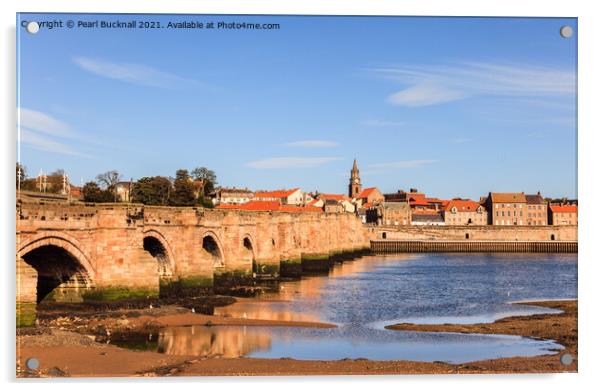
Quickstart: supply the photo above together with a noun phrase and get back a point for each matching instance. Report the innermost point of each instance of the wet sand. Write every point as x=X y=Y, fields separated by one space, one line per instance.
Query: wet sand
x=64 y=349
x=559 y=327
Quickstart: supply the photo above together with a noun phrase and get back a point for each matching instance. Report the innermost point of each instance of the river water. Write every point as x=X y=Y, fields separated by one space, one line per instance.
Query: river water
x=364 y=295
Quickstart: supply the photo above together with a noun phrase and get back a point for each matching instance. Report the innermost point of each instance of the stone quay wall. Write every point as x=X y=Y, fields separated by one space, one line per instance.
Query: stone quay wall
x=477 y=233
x=197 y=246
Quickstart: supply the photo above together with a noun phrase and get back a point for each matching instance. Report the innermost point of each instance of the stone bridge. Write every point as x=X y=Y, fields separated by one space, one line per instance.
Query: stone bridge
x=74 y=252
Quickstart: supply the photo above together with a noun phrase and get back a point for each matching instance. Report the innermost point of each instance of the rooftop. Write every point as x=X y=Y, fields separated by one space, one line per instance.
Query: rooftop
x=508 y=197
x=564 y=208
x=275 y=193
x=462 y=205
x=366 y=192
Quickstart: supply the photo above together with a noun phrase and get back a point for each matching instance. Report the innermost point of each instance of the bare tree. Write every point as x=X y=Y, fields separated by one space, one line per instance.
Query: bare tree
x=109 y=179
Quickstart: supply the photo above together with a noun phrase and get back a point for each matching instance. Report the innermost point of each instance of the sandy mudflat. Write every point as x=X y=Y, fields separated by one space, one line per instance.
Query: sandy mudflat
x=63 y=349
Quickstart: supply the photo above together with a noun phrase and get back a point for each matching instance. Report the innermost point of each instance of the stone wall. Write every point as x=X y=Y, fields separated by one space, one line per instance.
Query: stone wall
x=490 y=232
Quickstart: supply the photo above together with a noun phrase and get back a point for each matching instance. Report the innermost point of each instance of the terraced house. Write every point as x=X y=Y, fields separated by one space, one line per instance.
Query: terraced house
x=507 y=208
x=464 y=212
x=537 y=209
x=563 y=214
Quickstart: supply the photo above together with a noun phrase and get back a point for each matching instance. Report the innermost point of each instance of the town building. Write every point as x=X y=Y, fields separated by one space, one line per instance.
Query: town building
x=427 y=218
x=537 y=209
x=417 y=200
x=355 y=183
x=464 y=212
x=370 y=195
x=333 y=206
x=562 y=214
x=316 y=202
x=285 y=197
x=404 y=196
x=123 y=191
x=269 y=206
x=341 y=199
x=389 y=213
x=507 y=208
x=225 y=195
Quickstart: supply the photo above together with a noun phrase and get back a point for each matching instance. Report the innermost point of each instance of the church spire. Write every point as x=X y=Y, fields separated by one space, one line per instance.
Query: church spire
x=355 y=183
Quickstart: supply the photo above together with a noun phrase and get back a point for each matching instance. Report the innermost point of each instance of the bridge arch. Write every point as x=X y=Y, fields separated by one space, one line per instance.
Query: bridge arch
x=157 y=245
x=213 y=248
x=64 y=272
x=249 y=252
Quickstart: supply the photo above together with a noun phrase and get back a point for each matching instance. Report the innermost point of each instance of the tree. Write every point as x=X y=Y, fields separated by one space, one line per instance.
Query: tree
x=208 y=177
x=108 y=179
x=152 y=190
x=55 y=181
x=183 y=194
x=93 y=193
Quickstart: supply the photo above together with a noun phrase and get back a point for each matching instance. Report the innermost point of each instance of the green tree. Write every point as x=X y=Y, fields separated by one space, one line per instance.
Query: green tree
x=152 y=190
x=93 y=193
x=208 y=178
x=183 y=194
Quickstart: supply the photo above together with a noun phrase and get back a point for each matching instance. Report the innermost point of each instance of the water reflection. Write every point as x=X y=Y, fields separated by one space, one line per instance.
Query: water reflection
x=333 y=344
x=228 y=342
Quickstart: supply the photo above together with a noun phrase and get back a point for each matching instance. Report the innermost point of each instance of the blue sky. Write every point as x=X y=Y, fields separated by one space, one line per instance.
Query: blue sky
x=451 y=106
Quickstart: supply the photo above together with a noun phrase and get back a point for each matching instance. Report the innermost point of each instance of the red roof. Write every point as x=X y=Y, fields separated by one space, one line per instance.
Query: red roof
x=253 y=205
x=269 y=206
x=462 y=205
x=293 y=208
x=367 y=205
x=337 y=197
x=275 y=193
x=563 y=208
x=421 y=202
x=366 y=192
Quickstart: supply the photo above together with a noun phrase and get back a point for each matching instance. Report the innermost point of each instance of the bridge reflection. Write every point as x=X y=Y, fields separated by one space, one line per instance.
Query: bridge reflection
x=223 y=341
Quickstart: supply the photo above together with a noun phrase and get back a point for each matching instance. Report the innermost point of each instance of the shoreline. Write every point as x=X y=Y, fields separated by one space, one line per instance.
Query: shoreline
x=65 y=347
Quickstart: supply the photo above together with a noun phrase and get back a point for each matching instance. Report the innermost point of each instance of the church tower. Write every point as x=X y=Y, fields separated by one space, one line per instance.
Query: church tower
x=355 y=183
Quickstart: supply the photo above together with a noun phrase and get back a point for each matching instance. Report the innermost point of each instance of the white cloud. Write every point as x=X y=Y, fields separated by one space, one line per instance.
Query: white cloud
x=424 y=95
x=133 y=73
x=312 y=144
x=45 y=132
x=43 y=143
x=43 y=123
x=378 y=123
x=402 y=164
x=291 y=162
x=428 y=85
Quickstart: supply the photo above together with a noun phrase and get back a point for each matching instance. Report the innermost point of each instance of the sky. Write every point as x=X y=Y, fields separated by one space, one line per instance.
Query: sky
x=456 y=107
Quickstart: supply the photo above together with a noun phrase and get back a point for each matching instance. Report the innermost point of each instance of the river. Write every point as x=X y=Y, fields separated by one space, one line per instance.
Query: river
x=364 y=295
